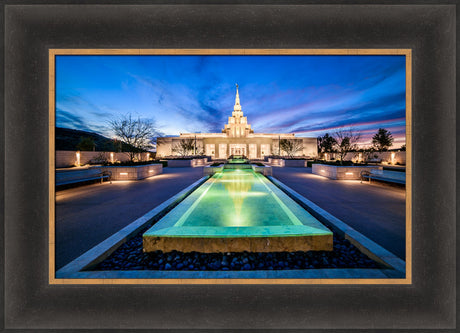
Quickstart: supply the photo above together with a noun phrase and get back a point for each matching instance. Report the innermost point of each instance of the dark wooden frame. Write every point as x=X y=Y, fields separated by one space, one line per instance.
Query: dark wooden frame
x=31 y=302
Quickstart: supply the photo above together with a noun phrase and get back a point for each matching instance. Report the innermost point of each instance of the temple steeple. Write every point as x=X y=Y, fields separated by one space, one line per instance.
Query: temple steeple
x=237 y=106
x=237 y=124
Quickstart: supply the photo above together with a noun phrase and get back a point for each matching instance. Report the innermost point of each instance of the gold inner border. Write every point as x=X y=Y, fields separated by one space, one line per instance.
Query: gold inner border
x=52 y=195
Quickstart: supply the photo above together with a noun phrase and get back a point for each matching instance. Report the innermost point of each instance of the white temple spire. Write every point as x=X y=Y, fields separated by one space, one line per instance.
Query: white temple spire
x=237 y=106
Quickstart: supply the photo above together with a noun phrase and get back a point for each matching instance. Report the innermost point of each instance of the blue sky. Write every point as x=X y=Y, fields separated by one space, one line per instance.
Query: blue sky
x=306 y=95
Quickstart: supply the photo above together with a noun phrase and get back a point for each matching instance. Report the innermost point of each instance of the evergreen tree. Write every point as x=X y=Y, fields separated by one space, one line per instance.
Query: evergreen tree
x=86 y=143
x=382 y=140
x=326 y=143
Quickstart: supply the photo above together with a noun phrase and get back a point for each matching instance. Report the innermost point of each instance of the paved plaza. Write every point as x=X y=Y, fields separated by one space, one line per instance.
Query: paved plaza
x=378 y=211
x=87 y=215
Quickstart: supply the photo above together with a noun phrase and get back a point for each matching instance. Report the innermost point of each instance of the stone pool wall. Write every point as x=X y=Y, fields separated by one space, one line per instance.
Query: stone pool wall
x=210 y=170
x=265 y=170
x=341 y=172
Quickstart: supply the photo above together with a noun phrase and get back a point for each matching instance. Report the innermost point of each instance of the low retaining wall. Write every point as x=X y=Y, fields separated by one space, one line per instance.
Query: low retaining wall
x=134 y=172
x=76 y=175
x=199 y=161
x=340 y=172
x=287 y=162
x=389 y=157
x=66 y=158
x=295 y=163
x=276 y=161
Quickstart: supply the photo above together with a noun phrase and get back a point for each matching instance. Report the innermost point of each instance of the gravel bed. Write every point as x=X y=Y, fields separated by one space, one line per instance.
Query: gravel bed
x=130 y=256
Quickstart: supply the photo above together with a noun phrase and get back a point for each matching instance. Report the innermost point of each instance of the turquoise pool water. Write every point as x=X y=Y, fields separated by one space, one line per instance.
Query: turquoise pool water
x=237 y=160
x=237 y=203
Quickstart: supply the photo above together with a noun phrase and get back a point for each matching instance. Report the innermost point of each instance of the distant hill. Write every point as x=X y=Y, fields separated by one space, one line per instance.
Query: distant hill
x=68 y=139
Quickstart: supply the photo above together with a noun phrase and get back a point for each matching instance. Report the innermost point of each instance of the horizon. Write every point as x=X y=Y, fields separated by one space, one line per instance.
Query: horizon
x=306 y=95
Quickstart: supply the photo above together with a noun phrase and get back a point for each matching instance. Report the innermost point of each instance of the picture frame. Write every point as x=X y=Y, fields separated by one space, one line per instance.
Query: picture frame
x=31 y=302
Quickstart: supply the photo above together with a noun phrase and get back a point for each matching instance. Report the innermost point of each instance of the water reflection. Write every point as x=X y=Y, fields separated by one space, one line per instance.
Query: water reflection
x=238 y=186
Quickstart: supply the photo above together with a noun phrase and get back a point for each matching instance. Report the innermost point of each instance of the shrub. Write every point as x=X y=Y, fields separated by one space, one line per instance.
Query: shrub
x=165 y=163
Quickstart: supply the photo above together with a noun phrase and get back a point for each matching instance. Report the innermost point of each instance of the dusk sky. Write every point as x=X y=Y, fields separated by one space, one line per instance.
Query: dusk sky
x=305 y=95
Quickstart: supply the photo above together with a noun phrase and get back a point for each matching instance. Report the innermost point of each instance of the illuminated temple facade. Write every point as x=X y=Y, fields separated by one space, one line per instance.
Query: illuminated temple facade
x=237 y=138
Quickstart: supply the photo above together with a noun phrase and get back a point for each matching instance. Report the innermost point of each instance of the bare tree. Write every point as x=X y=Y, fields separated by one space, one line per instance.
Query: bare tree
x=291 y=147
x=137 y=134
x=184 y=147
x=346 y=141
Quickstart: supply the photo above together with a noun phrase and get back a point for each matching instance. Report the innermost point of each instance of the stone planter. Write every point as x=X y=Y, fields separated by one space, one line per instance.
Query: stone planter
x=134 y=172
x=341 y=172
x=199 y=161
x=295 y=163
x=179 y=163
x=276 y=161
x=187 y=163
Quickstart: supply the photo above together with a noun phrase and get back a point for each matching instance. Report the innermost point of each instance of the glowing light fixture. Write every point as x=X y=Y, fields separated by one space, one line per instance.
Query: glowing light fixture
x=77 y=154
x=393 y=158
x=123 y=173
x=349 y=173
x=111 y=157
x=150 y=171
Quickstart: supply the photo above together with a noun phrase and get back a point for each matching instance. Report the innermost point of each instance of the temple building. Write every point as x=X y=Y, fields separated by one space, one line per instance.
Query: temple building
x=237 y=138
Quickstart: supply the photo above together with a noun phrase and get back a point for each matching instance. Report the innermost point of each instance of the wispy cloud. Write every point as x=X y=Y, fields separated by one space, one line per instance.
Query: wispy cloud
x=70 y=120
x=304 y=95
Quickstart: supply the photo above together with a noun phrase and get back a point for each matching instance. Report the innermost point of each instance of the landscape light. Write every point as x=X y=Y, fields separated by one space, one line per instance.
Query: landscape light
x=78 y=158
x=111 y=157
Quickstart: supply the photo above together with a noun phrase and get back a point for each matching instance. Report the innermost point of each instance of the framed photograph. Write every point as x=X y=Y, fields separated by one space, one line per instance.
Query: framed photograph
x=255 y=166
x=237 y=221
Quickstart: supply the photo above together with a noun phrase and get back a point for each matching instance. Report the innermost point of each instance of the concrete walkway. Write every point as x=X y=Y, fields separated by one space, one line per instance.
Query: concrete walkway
x=375 y=210
x=87 y=215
